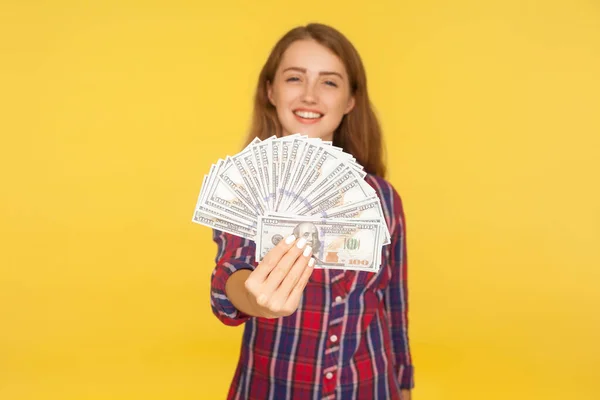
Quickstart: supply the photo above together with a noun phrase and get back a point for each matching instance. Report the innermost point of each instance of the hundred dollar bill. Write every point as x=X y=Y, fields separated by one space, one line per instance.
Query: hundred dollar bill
x=262 y=161
x=292 y=155
x=345 y=189
x=328 y=163
x=283 y=159
x=220 y=216
x=348 y=244
x=295 y=154
x=236 y=175
x=211 y=221
x=275 y=150
x=366 y=209
x=248 y=167
x=234 y=180
x=306 y=165
x=299 y=172
x=306 y=196
x=364 y=217
x=302 y=175
x=382 y=235
x=345 y=176
x=219 y=196
x=284 y=155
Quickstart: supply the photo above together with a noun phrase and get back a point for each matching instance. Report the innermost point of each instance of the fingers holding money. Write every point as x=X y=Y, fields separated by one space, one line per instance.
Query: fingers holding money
x=271 y=260
x=282 y=269
x=293 y=299
x=279 y=300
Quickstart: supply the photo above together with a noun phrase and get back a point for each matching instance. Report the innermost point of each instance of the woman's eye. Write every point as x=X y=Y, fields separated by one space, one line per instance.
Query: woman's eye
x=292 y=79
x=331 y=83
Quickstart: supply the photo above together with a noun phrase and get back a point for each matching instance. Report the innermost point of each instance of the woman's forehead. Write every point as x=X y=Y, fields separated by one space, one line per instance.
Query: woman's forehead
x=311 y=56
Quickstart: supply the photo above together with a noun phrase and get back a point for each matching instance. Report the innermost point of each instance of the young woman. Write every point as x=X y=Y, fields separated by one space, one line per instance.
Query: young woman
x=317 y=333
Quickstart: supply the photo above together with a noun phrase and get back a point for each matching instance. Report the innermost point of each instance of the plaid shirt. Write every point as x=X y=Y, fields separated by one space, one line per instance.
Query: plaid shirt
x=347 y=340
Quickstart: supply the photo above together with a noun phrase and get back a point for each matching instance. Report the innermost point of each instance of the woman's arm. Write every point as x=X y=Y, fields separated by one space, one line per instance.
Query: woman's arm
x=271 y=290
x=397 y=298
x=235 y=290
x=235 y=261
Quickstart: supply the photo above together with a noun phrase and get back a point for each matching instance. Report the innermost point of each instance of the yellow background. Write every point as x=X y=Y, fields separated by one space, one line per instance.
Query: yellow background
x=111 y=113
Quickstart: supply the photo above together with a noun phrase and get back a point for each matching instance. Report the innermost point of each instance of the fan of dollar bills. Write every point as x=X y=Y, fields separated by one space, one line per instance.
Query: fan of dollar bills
x=302 y=186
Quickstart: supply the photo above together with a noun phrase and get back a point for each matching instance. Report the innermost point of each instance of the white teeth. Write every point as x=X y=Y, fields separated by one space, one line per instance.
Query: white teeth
x=308 y=114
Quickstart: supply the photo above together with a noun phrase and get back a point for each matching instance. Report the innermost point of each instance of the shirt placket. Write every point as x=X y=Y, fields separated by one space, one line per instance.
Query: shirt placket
x=334 y=333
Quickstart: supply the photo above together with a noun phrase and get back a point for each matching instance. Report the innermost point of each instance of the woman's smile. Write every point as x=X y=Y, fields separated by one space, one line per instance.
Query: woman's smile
x=307 y=117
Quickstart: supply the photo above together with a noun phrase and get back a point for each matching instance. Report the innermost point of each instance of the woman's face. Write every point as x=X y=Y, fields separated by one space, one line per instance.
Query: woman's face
x=310 y=91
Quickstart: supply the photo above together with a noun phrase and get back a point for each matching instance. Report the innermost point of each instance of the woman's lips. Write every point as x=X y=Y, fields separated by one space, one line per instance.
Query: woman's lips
x=307 y=121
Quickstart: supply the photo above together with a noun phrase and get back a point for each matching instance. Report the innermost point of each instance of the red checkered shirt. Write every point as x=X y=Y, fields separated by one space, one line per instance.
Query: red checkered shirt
x=347 y=340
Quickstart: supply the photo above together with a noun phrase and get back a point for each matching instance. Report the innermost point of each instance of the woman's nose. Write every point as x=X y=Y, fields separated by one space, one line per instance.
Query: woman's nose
x=310 y=93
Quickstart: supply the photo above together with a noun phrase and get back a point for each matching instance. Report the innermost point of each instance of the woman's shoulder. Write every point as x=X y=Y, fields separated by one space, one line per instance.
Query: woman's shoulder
x=383 y=187
x=391 y=203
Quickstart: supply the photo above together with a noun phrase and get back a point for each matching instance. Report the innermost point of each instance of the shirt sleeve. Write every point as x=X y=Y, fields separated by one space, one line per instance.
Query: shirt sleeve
x=233 y=254
x=397 y=297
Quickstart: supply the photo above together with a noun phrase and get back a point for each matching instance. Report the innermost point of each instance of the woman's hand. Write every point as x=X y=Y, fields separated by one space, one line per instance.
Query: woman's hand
x=276 y=285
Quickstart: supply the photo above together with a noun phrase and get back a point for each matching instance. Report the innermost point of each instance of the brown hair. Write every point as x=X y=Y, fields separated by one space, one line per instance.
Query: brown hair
x=359 y=132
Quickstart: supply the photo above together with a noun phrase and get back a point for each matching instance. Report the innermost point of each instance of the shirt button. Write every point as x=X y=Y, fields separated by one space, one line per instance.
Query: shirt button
x=333 y=338
x=338 y=299
x=329 y=375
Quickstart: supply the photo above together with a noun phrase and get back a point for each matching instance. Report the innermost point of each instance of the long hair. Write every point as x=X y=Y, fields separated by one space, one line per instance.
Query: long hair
x=359 y=132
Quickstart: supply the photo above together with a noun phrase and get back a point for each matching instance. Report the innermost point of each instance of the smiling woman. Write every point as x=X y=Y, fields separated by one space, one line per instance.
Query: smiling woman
x=310 y=90
x=314 y=82
x=317 y=333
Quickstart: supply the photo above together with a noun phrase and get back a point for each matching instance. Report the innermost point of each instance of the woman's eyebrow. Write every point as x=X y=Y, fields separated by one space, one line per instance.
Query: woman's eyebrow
x=303 y=70
x=331 y=73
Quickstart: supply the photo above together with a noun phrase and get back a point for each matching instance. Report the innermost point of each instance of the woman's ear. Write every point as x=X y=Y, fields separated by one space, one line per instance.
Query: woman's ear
x=351 y=103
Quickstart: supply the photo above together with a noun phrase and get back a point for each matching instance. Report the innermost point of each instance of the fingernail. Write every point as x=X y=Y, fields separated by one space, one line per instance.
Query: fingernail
x=307 y=251
x=290 y=239
x=301 y=243
x=311 y=262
